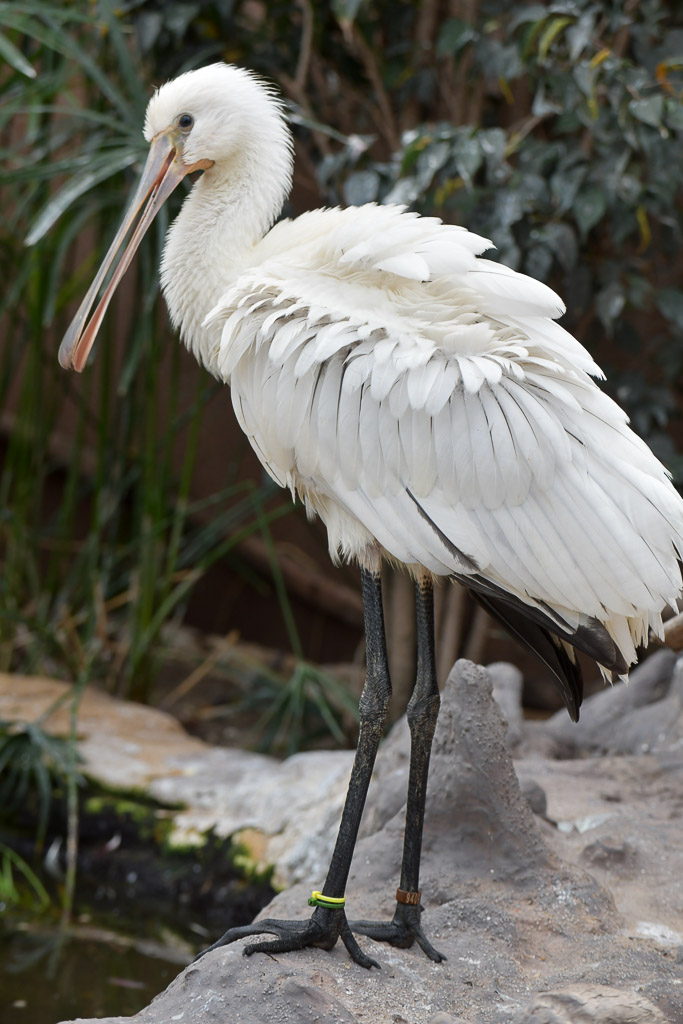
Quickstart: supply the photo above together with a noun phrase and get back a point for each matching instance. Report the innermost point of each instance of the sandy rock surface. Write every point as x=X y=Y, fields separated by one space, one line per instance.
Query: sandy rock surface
x=569 y=916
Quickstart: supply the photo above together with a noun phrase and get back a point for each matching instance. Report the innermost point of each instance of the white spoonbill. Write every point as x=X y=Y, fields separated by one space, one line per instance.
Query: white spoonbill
x=423 y=402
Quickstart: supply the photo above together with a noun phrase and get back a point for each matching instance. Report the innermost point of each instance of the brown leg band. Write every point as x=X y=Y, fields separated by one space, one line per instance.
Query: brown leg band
x=411 y=898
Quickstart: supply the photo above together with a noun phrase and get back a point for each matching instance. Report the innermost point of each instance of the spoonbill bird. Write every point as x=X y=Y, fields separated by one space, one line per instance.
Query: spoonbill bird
x=423 y=402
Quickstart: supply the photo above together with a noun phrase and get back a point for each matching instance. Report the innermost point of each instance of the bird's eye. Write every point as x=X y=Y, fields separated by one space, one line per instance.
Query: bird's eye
x=185 y=121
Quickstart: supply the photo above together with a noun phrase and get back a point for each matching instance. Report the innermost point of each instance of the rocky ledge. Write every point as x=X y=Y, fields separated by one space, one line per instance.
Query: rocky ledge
x=569 y=912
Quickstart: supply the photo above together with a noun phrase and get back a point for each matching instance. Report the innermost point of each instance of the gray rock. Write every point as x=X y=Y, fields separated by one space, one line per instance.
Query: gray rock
x=641 y=716
x=526 y=932
x=475 y=805
x=591 y=1004
x=446 y=1018
x=507 y=692
x=534 y=796
x=617 y=856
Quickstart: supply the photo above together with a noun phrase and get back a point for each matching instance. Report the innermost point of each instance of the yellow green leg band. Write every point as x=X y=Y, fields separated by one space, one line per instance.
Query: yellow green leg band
x=316 y=899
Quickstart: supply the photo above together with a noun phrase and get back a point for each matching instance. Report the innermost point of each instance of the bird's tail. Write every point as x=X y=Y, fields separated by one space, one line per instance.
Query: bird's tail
x=550 y=649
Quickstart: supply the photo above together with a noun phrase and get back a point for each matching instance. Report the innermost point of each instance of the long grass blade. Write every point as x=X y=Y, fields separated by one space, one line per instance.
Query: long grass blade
x=15 y=57
x=74 y=189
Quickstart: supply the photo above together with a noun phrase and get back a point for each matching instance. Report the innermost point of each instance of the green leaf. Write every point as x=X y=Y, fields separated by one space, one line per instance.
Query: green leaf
x=177 y=18
x=15 y=57
x=565 y=184
x=431 y=160
x=346 y=10
x=545 y=103
x=539 y=262
x=533 y=191
x=584 y=74
x=609 y=304
x=468 y=158
x=9 y=857
x=670 y=305
x=550 y=34
x=63 y=42
x=361 y=187
x=561 y=240
x=493 y=142
x=126 y=69
x=454 y=35
x=579 y=35
x=63 y=199
x=404 y=191
x=589 y=208
x=148 y=27
x=509 y=207
x=674 y=114
x=649 y=111
x=527 y=13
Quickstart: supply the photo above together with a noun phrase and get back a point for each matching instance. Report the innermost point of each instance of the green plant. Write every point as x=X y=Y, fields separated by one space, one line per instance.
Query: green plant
x=311 y=702
x=578 y=184
x=101 y=543
x=11 y=891
x=300 y=710
x=32 y=764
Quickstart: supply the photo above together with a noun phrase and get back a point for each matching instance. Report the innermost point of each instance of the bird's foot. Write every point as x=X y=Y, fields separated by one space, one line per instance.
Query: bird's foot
x=322 y=930
x=403 y=930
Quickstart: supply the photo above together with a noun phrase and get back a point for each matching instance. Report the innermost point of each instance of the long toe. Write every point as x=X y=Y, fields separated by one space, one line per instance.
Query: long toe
x=322 y=931
x=398 y=933
x=268 y=926
x=354 y=950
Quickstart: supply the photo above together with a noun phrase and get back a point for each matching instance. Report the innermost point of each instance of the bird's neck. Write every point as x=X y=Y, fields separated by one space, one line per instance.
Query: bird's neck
x=212 y=240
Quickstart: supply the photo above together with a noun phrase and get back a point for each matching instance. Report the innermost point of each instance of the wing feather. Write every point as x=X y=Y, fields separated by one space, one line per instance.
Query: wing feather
x=447 y=377
x=532 y=443
x=515 y=472
x=370 y=444
x=508 y=292
x=348 y=426
x=393 y=458
x=490 y=486
x=384 y=376
x=408 y=264
x=445 y=445
x=421 y=396
x=472 y=374
x=288 y=338
x=422 y=457
x=327 y=437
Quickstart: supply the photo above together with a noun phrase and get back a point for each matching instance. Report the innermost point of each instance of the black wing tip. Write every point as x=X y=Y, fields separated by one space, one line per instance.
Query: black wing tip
x=542 y=643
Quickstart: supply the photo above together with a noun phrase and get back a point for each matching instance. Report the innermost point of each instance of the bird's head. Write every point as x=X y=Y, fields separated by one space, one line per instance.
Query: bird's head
x=210 y=115
x=201 y=119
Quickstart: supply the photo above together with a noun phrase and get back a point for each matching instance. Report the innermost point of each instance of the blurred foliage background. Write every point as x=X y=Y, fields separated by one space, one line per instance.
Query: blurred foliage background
x=555 y=129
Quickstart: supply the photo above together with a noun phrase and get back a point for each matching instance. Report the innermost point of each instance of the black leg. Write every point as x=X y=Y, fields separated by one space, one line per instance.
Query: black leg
x=423 y=709
x=327 y=925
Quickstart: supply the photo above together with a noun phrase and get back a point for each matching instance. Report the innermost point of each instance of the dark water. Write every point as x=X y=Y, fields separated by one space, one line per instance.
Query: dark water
x=142 y=913
x=92 y=971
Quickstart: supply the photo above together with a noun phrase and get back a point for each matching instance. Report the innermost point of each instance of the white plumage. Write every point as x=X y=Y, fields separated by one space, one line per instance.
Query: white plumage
x=419 y=398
